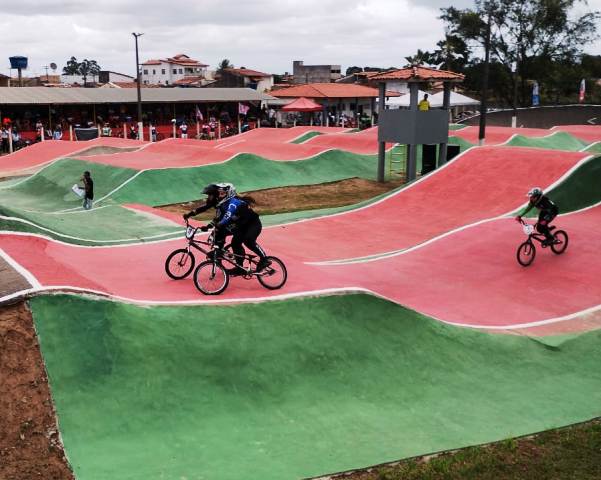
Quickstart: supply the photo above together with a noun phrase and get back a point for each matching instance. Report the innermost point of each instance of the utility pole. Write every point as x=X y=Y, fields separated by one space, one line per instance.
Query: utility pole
x=140 y=123
x=483 y=101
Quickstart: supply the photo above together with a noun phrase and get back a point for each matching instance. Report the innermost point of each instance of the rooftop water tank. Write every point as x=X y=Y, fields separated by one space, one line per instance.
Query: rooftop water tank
x=18 y=62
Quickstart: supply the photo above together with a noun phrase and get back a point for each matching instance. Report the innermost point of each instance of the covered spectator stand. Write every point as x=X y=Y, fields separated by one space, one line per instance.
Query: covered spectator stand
x=411 y=126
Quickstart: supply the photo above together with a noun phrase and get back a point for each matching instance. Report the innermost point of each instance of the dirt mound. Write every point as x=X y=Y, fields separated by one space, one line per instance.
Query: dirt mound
x=30 y=446
x=304 y=197
x=105 y=150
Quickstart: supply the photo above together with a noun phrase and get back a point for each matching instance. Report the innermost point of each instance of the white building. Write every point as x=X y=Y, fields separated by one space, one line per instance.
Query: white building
x=170 y=70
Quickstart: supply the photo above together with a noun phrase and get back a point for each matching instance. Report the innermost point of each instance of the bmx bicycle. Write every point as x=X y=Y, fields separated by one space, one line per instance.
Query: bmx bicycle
x=211 y=276
x=527 y=250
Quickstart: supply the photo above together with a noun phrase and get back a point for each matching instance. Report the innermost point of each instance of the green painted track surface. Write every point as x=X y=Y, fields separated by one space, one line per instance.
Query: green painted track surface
x=594 y=148
x=247 y=172
x=49 y=190
x=580 y=190
x=284 y=390
x=556 y=141
x=306 y=136
x=108 y=225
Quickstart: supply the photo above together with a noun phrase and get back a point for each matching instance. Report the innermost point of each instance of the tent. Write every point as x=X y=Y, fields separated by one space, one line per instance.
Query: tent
x=457 y=100
x=302 y=104
x=403 y=100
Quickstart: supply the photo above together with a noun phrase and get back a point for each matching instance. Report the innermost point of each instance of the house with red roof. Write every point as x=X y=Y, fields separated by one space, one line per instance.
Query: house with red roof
x=349 y=99
x=169 y=71
x=243 y=78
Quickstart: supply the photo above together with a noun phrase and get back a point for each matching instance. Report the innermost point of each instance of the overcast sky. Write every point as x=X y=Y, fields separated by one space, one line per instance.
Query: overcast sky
x=265 y=35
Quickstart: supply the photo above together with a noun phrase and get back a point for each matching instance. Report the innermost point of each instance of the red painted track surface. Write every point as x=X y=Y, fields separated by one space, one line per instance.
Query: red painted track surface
x=465 y=278
x=498 y=135
x=469 y=277
x=41 y=153
x=269 y=143
x=273 y=144
x=482 y=183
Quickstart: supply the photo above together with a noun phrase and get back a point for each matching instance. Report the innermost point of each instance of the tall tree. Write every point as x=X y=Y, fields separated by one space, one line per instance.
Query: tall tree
x=351 y=70
x=224 y=64
x=525 y=32
x=72 y=67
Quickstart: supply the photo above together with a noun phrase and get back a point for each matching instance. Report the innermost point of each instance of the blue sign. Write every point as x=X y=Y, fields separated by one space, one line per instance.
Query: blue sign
x=535 y=97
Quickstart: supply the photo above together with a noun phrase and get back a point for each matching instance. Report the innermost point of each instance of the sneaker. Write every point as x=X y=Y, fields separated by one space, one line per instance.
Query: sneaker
x=263 y=264
x=235 y=272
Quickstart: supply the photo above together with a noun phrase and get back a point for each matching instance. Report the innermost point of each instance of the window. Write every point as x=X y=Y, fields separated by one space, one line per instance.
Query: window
x=163 y=71
x=189 y=70
x=175 y=71
x=181 y=71
x=166 y=82
x=335 y=70
x=154 y=72
x=145 y=72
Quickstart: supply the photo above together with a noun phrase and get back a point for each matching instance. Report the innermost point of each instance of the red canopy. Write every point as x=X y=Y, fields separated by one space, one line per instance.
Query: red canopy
x=303 y=104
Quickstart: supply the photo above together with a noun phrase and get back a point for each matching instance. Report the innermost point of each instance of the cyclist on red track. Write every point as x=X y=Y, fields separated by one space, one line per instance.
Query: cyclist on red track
x=234 y=216
x=548 y=211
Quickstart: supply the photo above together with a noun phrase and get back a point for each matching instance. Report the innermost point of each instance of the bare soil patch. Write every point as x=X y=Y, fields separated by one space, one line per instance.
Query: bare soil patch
x=105 y=150
x=30 y=446
x=305 y=197
x=11 y=281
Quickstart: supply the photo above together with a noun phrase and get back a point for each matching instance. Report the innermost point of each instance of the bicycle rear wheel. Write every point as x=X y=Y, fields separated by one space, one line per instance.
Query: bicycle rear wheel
x=562 y=238
x=179 y=264
x=274 y=276
x=211 y=278
x=526 y=253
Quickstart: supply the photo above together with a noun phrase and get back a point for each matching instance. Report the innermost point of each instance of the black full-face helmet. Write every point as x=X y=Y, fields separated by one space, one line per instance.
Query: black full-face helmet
x=535 y=193
x=211 y=191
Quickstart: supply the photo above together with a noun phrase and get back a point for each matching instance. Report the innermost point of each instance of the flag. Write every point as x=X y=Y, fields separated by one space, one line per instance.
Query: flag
x=582 y=91
x=535 y=97
x=243 y=109
x=198 y=114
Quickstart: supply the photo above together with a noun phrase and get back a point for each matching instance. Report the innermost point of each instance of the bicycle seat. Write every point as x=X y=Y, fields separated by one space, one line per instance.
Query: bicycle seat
x=552 y=227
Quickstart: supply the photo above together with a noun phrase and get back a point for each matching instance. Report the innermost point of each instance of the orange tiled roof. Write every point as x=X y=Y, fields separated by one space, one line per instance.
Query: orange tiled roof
x=188 y=80
x=179 y=59
x=133 y=85
x=329 y=90
x=418 y=73
x=246 y=72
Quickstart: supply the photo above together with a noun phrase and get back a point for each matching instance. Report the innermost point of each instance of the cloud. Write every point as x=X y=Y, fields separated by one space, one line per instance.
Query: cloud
x=261 y=34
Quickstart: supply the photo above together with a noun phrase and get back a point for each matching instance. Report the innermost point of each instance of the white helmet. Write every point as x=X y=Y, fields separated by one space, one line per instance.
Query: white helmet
x=229 y=189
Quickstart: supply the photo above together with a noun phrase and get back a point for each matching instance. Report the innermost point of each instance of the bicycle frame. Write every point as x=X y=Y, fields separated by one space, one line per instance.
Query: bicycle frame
x=534 y=235
x=221 y=253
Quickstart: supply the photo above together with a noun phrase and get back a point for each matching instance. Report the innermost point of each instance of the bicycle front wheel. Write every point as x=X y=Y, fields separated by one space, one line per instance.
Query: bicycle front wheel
x=275 y=275
x=560 y=242
x=179 y=264
x=526 y=253
x=211 y=278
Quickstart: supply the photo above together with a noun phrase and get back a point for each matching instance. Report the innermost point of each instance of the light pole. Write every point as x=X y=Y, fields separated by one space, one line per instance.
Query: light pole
x=483 y=101
x=140 y=124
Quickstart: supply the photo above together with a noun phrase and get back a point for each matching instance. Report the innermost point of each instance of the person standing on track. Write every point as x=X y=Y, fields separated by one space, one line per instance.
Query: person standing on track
x=548 y=211
x=88 y=187
x=234 y=216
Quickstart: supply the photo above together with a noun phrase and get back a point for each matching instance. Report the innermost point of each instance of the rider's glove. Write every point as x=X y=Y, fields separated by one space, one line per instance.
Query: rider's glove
x=186 y=215
x=518 y=219
x=205 y=228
